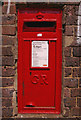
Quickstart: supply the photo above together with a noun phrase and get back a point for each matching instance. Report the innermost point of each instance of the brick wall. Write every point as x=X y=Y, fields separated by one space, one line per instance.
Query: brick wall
x=71 y=81
x=72 y=69
x=8 y=62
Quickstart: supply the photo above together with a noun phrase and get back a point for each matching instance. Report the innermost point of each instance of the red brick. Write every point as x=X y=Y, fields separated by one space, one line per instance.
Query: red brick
x=75 y=43
x=6 y=102
x=6 y=82
x=8 y=40
x=8 y=71
x=66 y=92
x=75 y=31
x=17 y=119
x=72 y=62
x=76 y=111
x=77 y=51
x=69 y=31
x=7 y=51
x=66 y=112
x=8 y=30
x=71 y=10
x=67 y=52
x=0 y=21
x=79 y=102
x=70 y=102
x=71 y=20
x=8 y=19
x=7 y=112
x=6 y=3
x=80 y=82
x=12 y=9
x=0 y=51
x=67 y=72
x=0 y=40
x=0 y=92
x=8 y=61
x=71 y=82
x=77 y=72
x=76 y=92
x=7 y=92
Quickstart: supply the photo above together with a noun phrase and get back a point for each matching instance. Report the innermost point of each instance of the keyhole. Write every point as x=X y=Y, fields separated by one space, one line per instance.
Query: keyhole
x=30 y=73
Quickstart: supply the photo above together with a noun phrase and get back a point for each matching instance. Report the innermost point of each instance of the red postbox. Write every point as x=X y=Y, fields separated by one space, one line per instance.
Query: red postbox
x=39 y=60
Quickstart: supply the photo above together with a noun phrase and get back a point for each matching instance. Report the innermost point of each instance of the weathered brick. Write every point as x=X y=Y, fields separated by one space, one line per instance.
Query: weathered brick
x=79 y=12
x=66 y=112
x=67 y=72
x=7 y=92
x=14 y=119
x=80 y=82
x=8 y=71
x=68 y=40
x=70 y=102
x=6 y=102
x=6 y=3
x=66 y=92
x=0 y=40
x=8 y=30
x=8 y=61
x=75 y=31
x=67 y=52
x=80 y=61
x=8 y=40
x=77 y=51
x=76 y=92
x=0 y=20
x=71 y=62
x=69 y=31
x=7 y=112
x=7 y=51
x=6 y=82
x=0 y=93
x=75 y=43
x=71 y=82
x=76 y=111
x=0 y=61
x=79 y=41
x=8 y=19
x=76 y=72
x=12 y=9
x=71 y=10
x=79 y=102
x=76 y=9
x=71 y=20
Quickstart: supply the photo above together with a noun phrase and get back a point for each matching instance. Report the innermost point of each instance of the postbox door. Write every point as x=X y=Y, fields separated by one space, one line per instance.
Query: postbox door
x=38 y=73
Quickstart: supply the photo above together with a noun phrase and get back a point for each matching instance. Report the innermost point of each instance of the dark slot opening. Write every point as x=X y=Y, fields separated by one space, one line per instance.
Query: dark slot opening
x=38 y=26
x=30 y=106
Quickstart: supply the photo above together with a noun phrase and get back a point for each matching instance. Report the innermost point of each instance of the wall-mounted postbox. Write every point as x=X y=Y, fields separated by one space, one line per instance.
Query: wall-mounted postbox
x=39 y=60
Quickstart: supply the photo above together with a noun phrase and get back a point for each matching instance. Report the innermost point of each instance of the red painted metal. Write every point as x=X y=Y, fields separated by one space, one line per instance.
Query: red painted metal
x=39 y=88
